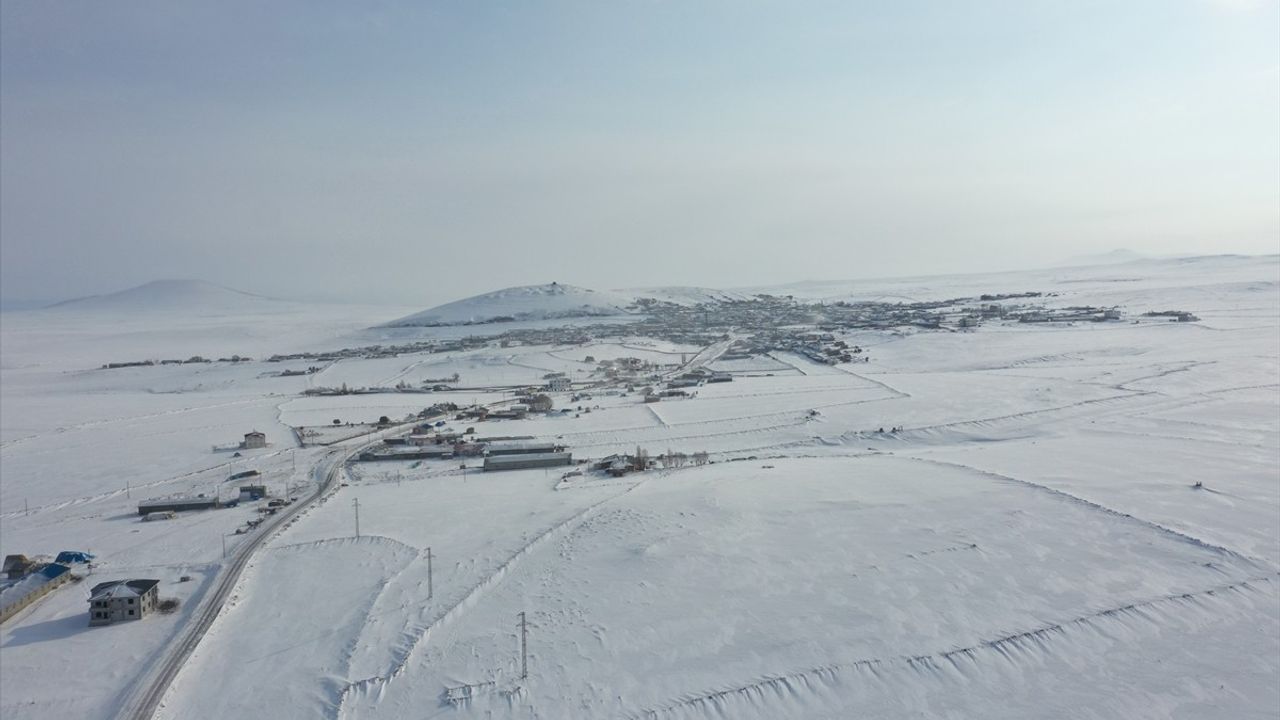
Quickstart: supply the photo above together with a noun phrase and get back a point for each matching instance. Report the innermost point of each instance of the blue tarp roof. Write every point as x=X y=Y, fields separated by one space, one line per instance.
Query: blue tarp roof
x=53 y=570
x=70 y=556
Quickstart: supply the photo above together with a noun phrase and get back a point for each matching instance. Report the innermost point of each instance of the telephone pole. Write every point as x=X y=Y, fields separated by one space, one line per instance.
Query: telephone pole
x=524 y=648
x=356 y=503
x=430 y=589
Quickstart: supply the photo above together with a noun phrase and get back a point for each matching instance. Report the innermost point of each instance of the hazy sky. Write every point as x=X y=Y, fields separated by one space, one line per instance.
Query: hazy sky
x=417 y=152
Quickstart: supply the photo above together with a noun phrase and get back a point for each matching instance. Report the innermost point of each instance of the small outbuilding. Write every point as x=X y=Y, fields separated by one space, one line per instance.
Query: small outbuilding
x=254 y=440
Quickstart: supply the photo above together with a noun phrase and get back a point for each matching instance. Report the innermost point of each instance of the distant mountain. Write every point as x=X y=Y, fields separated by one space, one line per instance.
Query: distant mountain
x=1114 y=257
x=526 y=302
x=171 y=296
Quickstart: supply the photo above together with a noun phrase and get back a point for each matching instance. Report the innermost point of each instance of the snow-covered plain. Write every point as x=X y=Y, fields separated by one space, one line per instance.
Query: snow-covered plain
x=1030 y=544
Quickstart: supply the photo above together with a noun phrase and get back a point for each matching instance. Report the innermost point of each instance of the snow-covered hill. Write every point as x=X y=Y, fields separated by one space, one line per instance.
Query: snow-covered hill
x=195 y=296
x=527 y=302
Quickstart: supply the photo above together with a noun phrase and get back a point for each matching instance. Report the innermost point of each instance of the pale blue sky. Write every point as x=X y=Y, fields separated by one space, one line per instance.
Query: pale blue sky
x=417 y=152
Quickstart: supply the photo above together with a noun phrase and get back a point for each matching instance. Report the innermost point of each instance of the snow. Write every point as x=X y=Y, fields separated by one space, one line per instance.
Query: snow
x=1030 y=543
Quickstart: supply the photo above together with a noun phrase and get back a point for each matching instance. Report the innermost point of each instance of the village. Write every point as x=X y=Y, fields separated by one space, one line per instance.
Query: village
x=771 y=323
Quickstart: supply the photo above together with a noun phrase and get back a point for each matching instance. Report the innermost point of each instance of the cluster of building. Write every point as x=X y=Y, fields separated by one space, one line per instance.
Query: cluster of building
x=26 y=580
x=499 y=453
x=191 y=360
x=1174 y=315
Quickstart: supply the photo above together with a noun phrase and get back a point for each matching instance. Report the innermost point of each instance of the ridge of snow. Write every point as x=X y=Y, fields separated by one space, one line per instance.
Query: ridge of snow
x=525 y=302
x=168 y=295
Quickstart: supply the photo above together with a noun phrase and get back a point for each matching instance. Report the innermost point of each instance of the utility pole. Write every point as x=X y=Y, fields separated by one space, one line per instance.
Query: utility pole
x=356 y=502
x=25 y=509
x=524 y=648
x=430 y=589
x=224 y=546
x=126 y=489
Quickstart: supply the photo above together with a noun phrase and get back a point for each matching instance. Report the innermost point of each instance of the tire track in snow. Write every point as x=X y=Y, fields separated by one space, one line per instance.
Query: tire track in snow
x=378 y=683
x=86 y=499
x=111 y=421
x=1168 y=531
x=790 y=685
x=979 y=422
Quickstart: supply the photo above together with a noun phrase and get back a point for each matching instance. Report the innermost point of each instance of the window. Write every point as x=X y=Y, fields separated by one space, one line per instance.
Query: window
x=130 y=612
x=130 y=601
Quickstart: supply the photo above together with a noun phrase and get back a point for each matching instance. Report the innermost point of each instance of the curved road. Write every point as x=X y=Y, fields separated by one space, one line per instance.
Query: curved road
x=144 y=697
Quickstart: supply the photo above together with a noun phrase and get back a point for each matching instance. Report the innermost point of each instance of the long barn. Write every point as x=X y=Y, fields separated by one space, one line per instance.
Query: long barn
x=530 y=460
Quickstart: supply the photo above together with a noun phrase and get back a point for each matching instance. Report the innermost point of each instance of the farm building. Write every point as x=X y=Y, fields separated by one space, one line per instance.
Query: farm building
x=252 y=492
x=409 y=453
x=253 y=440
x=23 y=593
x=530 y=460
x=515 y=412
x=120 y=600
x=176 y=504
x=522 y=447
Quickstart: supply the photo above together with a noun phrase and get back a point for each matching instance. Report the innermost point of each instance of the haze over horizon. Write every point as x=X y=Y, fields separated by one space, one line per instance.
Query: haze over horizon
x=419 y=154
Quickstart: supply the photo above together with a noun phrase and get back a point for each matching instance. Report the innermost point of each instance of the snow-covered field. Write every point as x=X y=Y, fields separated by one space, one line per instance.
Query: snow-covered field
x=1030 y=543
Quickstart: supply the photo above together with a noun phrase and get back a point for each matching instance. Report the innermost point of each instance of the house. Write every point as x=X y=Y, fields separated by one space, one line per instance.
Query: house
x=559 y=383
x=120 y=600
x=619 y=465
x=254 y=440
